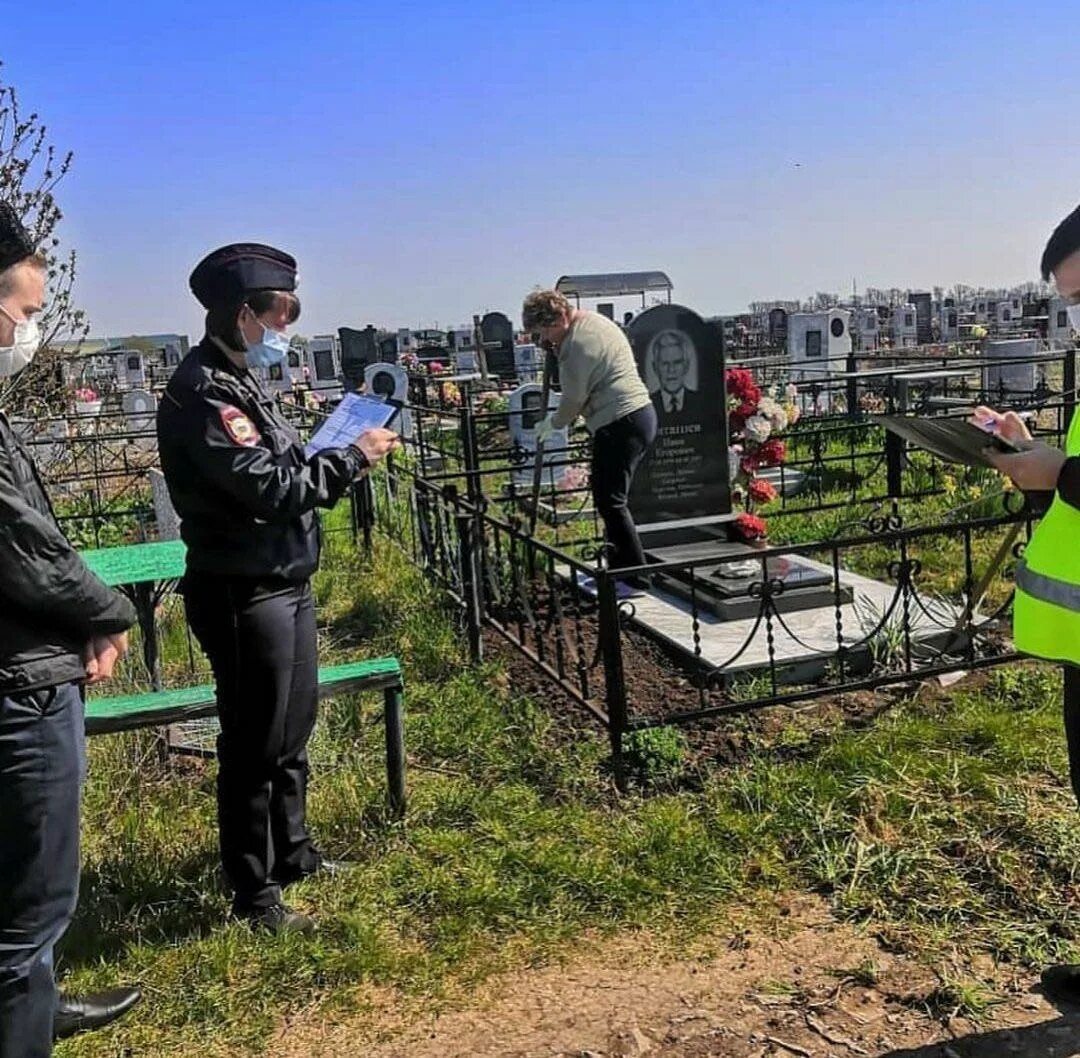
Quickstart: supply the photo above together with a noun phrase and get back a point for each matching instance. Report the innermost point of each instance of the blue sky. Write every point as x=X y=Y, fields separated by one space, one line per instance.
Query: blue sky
x=427 y=160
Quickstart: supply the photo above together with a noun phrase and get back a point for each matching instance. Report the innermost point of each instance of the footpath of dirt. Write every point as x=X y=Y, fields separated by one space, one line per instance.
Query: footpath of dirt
x=806 y=986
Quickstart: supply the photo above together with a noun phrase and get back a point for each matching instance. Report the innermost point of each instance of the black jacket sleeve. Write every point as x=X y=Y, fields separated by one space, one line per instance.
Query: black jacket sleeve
x=42 y=574
x=249 y=471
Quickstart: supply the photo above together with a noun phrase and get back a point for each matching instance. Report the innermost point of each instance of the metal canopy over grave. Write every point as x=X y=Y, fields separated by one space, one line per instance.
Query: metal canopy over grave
x=614 y=285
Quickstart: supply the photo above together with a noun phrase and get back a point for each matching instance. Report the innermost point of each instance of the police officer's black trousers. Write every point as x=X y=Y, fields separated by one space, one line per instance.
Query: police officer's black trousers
x=261 y=641
x=42 y=763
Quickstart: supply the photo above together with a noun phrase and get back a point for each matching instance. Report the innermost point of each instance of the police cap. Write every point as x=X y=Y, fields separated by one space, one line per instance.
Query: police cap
x=226 y=276
x=16 y=243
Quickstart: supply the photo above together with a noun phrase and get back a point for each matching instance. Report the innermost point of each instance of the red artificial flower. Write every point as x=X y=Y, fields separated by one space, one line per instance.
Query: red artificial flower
x=772 y=453
x=761 y=491
x=750 y=527
x=748 y=464
x=740 y=383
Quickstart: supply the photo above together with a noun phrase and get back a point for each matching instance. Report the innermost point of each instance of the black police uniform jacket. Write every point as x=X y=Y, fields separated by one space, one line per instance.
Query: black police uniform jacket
x=237 y=473
x=51 y=605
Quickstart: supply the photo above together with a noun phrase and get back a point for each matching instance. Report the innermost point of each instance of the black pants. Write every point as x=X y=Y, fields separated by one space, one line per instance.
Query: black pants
x=618 y=448
x=261 y=641
x=42 y=763
x=1072 y=724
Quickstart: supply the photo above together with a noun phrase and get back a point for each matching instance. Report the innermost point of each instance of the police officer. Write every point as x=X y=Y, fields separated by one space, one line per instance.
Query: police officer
x=59 y=627
x=246 y=495
x=1046 y=607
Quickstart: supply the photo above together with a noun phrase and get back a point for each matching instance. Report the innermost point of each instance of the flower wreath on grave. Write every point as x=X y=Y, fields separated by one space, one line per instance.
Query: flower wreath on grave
x=755 y=421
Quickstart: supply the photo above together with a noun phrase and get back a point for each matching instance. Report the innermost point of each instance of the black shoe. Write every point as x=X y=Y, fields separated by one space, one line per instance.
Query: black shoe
x=1062 y=982
x=92 y=1011
x=277 y=918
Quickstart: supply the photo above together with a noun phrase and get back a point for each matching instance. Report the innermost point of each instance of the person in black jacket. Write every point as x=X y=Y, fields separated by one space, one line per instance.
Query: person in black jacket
x=59 y=627
x=246 y=494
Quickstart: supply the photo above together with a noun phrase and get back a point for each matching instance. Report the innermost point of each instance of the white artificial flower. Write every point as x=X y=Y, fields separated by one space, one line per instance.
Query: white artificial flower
x=758 y=428
x=791 y=391
x=774 y=412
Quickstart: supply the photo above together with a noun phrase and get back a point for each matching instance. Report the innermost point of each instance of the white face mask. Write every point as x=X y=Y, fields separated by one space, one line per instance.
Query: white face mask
x=1074 y=316
x=14 y=357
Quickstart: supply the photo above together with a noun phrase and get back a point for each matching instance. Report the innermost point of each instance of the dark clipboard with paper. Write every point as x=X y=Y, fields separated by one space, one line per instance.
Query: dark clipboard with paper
x=952 y=440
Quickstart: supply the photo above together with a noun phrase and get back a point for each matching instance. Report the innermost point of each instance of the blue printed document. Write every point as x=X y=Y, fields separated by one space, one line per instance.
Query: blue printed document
x=354 y=415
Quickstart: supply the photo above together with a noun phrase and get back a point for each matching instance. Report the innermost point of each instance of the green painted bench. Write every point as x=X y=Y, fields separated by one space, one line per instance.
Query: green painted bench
x=159 y=708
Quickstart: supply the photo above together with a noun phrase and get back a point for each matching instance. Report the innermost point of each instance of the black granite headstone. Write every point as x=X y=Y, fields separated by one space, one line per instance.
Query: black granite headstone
x=358 y=349
x=685 y=474
x=498 y=335
x=388 y=349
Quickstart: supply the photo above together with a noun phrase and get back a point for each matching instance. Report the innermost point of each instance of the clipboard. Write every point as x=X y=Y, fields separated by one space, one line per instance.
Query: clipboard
x=355 y=414
x=951 y=440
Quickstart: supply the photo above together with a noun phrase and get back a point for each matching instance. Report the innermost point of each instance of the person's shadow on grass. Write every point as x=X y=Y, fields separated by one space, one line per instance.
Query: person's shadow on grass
x=122 y=905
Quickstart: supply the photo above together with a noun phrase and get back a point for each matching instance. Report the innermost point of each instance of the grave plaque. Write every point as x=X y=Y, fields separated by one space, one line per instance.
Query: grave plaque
x=685 y=474
x=358 y=349
x=526 y=411
x=391 y=382
x=498 y=335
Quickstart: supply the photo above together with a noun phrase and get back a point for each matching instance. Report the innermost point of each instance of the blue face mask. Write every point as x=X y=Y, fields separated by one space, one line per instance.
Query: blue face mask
x=270 y=349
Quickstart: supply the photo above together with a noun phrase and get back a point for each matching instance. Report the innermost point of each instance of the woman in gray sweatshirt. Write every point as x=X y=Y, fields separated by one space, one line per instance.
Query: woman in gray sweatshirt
x=600 y=381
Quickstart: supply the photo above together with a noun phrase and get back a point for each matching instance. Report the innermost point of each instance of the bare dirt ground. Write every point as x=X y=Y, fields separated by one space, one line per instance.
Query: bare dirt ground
x=803 y=985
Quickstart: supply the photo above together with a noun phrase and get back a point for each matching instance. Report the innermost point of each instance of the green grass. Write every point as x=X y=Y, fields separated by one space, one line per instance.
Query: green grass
x=946 y=825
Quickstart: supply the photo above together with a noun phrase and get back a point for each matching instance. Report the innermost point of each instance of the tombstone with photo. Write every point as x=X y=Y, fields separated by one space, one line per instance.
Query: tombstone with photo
x=685 y=474
x=391 y=382
x=526 y=412
x=681 y=495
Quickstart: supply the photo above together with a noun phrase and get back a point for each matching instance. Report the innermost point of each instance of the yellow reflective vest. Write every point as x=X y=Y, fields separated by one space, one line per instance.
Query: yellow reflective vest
x=1046 y=609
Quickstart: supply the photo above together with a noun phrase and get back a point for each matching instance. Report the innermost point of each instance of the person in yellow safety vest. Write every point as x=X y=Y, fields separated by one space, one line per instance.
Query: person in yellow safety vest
x=1046 y=609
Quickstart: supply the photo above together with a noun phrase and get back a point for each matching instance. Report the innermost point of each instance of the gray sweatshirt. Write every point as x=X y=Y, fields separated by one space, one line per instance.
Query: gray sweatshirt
x=598 y=375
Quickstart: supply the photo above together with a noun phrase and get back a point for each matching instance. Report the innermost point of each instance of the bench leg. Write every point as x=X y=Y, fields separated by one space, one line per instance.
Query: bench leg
x=394 y=720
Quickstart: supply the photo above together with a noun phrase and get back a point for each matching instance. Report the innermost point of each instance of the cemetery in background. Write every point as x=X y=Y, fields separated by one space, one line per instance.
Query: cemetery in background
x=854 y=562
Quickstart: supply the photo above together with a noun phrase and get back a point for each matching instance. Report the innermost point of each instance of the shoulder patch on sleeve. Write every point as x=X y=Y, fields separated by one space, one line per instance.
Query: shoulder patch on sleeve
x=239 y=427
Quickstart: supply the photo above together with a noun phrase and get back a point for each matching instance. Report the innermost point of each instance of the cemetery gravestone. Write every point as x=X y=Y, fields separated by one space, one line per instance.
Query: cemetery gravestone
x=388 y=349
x=685 y=475
x=526 y=411
x=358 y=350
x=498 y=335
x=391 y=382
x=140 y=412
x=168 y=521
x=681 y=496
x=528 y=363
x=1005 y=381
